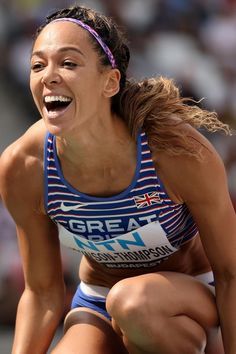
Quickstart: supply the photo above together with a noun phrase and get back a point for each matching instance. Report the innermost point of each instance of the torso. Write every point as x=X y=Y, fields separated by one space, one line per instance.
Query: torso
x=139 y=230
x=189 y=259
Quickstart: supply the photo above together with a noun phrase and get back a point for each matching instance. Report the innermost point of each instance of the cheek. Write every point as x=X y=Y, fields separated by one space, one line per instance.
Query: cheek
x=33 y=85
x=35 y=91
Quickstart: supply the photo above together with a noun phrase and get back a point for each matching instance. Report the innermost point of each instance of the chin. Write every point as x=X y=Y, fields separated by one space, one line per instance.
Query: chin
x=58 y=130
x=54 y=129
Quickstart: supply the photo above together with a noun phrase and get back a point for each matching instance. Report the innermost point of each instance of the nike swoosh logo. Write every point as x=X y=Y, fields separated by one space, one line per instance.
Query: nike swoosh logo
x=71 y=207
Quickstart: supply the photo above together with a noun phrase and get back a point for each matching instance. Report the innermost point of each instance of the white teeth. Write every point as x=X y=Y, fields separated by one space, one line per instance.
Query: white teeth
x=57 y=98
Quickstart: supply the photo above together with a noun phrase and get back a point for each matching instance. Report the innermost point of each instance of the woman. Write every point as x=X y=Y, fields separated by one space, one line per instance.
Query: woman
x=117 y=170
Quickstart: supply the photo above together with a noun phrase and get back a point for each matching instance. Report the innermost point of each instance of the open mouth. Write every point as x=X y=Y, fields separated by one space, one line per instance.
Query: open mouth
x=56 y=103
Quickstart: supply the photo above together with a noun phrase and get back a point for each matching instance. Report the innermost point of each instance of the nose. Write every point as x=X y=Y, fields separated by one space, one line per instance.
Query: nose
x=50 y=75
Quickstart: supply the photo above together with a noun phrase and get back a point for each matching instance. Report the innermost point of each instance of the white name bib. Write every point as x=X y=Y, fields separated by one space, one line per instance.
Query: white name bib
x=146 y=246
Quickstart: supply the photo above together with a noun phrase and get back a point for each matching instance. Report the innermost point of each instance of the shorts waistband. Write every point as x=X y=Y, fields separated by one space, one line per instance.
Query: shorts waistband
x=94 y=290
x=207 y=278
x=102 y=291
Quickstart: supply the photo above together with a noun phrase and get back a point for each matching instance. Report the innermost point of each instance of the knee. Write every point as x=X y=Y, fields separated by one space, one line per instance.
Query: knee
x=139 y=296
x=127 y=299
x=142 y=314
x=128 y=306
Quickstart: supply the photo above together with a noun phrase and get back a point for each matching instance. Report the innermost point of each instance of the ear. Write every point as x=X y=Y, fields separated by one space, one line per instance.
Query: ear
x=111 y=83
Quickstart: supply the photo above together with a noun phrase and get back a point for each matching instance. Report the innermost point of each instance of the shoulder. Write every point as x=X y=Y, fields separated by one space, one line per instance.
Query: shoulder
x=21 y=165
x=24 y=154
x=188 y=174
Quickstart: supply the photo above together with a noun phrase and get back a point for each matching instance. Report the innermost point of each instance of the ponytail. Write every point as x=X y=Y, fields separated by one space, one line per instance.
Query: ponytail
x=155 y=105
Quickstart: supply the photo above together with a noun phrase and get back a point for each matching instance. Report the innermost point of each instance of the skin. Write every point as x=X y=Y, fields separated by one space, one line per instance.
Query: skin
x=95 y=145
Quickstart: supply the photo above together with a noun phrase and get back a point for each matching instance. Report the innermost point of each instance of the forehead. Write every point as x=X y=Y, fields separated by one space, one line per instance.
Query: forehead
x=63 y=33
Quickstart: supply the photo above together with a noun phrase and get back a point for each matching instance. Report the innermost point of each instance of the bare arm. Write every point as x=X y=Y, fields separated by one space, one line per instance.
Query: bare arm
x=42 y=302
x=203 y=187
x=216 y=219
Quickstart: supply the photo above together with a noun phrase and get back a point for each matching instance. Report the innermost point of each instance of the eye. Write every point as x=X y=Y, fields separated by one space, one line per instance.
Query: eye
x=37 y=66
x=69 y=64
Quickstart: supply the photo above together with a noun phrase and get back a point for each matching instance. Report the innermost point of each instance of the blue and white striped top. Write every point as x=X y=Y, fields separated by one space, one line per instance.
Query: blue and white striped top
x=139 y=227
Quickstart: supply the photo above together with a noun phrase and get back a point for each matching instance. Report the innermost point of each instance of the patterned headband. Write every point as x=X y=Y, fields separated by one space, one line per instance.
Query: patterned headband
x=94 y=34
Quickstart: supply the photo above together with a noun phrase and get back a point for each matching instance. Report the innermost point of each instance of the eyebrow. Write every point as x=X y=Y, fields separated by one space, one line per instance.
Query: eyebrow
x=61 y=50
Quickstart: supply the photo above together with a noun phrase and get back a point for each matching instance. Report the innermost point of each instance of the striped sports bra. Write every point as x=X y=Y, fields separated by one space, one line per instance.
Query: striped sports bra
x=139 y=227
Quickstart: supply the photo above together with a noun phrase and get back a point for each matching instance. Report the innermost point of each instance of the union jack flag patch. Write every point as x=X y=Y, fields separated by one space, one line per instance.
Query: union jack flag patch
x=147 y=199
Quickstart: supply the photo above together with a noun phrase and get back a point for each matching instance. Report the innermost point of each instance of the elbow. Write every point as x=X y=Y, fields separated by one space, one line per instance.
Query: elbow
x=56 y=297
x=57 y=300
x=51 y=298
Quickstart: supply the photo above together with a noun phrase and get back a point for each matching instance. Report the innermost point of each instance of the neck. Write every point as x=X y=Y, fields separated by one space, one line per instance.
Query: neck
x=95 y=162
x=95 y=143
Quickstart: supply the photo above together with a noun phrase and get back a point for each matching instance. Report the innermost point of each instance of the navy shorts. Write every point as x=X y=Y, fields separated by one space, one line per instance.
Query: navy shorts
x=97 y=303
x=94 y=297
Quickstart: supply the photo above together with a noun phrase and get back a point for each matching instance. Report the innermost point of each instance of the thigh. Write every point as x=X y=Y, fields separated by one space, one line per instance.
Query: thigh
x=167 y=310
x=88 y=332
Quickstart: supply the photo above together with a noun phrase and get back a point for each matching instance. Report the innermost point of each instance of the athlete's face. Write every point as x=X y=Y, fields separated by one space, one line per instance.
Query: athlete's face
x=66 y=80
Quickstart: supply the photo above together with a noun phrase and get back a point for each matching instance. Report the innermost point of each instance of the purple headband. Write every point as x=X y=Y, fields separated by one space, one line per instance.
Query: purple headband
x=94 y=34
